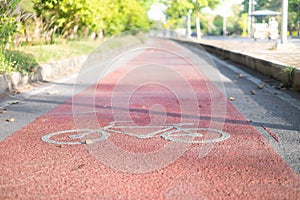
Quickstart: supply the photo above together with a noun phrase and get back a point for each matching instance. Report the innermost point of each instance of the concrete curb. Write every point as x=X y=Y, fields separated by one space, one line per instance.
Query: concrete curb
x=10 y=82
x=271 y=69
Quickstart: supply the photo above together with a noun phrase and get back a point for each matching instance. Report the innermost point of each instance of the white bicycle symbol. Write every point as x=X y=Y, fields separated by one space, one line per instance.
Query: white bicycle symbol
x=175 y=133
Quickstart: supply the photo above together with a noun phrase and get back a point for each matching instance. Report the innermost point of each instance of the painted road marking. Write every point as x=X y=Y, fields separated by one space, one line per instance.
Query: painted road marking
x=168 y=132
x=189 y=133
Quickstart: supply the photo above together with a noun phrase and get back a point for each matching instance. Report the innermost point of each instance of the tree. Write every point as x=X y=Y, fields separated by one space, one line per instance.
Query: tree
x=63 y=15
x=8 y=25
x=274 y=5
x=294 y=17
x=198 y=5
x=69 y=17
x=176 y=10
x=125 y=15
x=25 y=15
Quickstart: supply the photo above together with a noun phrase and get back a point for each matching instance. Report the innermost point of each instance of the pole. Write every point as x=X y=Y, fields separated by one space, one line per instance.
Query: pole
x=249 y=18
x=198 y=28
x=189 y=24
x=224 y=26
x=284 y=22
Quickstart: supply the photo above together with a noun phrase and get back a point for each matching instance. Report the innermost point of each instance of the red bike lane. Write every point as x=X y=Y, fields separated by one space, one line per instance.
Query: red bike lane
x=123 y=166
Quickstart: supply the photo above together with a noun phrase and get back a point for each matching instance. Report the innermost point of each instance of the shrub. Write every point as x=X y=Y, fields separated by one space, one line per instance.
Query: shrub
x=12 y=60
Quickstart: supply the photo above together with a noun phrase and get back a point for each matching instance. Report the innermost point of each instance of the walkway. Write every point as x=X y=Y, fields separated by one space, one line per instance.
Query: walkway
x=261 y=49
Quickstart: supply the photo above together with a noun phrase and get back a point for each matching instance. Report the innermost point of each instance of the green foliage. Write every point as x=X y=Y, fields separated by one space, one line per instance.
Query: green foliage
x=12 y=60
x=6 y=66
x=61 y=14
x=61 y=49
x=218 y=22
x=274 y=5
x=8 y=6
x=8 y=25
x=176 y=10
x=294 y=14
x=8 y=29
x=236 y=24
x=243 y=23
x=198 y=4
x=26 y=57
x=108 y=16
x=134 y=14
x=289 y=72
x=62 y=19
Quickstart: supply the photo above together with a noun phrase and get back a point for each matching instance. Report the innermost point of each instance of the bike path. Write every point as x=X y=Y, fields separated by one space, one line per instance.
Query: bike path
x=132 y=167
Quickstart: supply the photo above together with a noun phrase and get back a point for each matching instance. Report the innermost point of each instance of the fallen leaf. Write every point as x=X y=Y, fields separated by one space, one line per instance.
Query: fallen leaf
x=231 y=98
x=2 y=110
x=240 y=75
x=10 y=119
x=253 y=92
x=78 y=167
x=88 y=141
x=53 y=92
x=28 y=86
x=16 y=92
x=261 y=86
x=13 y=102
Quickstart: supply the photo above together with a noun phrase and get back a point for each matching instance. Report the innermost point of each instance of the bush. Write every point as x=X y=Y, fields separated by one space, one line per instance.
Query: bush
x=5 y=65
x=12 y=60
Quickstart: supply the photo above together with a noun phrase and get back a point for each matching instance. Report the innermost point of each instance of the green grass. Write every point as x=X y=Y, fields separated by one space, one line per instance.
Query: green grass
x=24 y=58
x=289 y=71
x=60 y=50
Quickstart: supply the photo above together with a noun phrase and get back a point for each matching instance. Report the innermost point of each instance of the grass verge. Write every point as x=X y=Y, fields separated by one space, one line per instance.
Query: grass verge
x=24 y=58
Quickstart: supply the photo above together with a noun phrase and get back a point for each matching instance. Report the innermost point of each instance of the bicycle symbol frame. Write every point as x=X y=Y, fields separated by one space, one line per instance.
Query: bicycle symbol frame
x=167 y=132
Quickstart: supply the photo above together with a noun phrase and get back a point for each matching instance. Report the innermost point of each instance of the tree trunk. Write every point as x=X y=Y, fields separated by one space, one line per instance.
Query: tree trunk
x=189 y=24
x=52 y=34
x=26 y=33
x=198 y=28
x=36 y=34
x=224 y=26
x=86 y=32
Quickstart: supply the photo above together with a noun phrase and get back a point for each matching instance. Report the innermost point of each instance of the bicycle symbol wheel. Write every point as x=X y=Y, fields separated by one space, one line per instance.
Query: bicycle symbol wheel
x=194 y=135
x=77 y=134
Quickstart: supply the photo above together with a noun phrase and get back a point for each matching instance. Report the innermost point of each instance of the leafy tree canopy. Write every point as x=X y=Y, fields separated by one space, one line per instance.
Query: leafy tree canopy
x=109 y=16
x=8 y=26
x=177 y=9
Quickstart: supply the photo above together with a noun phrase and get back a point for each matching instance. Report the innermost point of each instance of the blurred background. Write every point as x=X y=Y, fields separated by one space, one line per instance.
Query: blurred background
x=26 y=24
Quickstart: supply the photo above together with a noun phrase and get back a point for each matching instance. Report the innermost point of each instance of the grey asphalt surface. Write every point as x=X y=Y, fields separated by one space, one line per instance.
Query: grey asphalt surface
x=33 y=104
x=267 y=108
x=271 y=108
